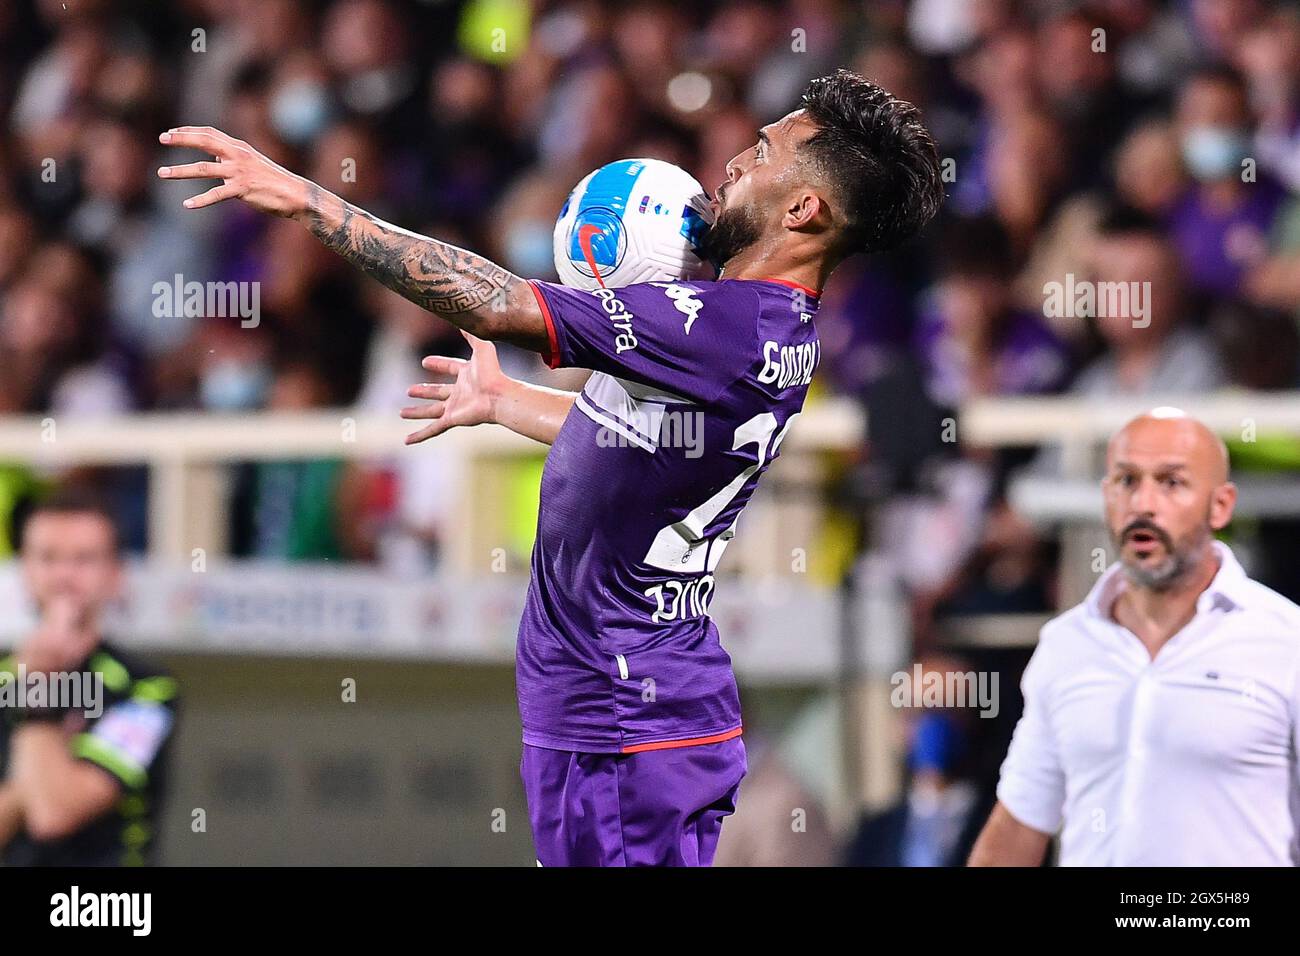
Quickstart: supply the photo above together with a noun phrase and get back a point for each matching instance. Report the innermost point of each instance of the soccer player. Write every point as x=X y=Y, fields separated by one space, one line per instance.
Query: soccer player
x=80 y=780
x=1162 y=715
x=631 y=722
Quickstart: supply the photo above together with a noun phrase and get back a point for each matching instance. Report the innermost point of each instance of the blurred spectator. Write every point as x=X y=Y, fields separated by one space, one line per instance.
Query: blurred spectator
x=1270 y=57
x=1221 y=225
x=243 y=33
x=48 y=350
x=1159 y=352
x=1275 y=282
x=781 y=819
x=942 y=809
x=17 y=233
x=1000 y=72
x=300 y=105
x=467 y=151
x=1155 y=43
x=233 y=367
x=1221 y=25
x=973 y=340
x=865 y=324
x=296 y=510
x=1082 y=92
x=367 y=45
x=1027 y=171
x=1260 y=347
x=117 y=218
x=1149 y=174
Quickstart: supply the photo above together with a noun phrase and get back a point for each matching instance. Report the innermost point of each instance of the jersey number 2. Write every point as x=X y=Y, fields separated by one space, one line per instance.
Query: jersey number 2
x=677 y=547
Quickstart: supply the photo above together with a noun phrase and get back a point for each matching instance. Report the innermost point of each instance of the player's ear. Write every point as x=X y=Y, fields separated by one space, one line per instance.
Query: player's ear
x=804 y=207
x=1222 y=502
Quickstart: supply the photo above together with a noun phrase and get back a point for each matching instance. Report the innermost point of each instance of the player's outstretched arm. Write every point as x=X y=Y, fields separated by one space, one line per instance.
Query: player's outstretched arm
x=480 y=393
x=467 y=290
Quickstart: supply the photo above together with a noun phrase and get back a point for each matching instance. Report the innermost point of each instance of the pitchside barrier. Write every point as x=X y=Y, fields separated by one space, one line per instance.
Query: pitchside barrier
x=189 y=484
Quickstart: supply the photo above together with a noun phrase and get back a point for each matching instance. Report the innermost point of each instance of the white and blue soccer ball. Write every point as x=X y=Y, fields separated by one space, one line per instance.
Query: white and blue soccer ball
x=635 y=220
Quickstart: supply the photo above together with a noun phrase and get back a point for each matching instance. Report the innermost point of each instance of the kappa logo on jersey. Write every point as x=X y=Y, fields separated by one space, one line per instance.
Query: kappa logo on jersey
x=788 y=365
x=683 y=300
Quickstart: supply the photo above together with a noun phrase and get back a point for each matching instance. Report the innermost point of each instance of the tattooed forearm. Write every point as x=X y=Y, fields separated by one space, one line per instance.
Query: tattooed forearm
x=468 y=290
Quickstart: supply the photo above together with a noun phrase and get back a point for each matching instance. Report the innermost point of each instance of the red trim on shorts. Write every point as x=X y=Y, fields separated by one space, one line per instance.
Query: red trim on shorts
x=553 y=359
x=792 y=284
x=688 y=742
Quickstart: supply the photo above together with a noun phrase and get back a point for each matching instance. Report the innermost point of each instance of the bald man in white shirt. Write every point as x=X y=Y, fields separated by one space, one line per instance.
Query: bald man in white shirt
x=1162 y=715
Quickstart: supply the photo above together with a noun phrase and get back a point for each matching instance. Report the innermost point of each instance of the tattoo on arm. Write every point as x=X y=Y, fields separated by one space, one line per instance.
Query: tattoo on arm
x=466 y=289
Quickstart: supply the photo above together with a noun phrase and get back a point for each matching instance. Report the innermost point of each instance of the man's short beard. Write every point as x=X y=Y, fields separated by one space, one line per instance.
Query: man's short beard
x=734 y=231
x=1181 y=559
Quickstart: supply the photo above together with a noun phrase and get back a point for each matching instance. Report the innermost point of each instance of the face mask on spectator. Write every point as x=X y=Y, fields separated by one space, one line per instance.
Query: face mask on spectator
x=528 y=248
x=300 y=111
x=1214 y=152
x=937 y=744
x=231 y=386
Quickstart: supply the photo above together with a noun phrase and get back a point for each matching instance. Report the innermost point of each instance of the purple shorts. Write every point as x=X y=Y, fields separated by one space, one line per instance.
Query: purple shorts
x=652 y=808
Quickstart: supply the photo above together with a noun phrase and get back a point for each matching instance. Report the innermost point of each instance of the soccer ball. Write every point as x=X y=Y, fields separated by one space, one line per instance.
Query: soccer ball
x=635 y=220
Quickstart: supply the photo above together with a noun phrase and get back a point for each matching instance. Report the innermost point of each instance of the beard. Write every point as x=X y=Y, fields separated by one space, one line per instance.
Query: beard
x=1181 y=557
x=734 y=231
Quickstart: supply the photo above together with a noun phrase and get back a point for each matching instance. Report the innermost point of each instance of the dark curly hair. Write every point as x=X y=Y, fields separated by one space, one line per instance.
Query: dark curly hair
x=878 y=157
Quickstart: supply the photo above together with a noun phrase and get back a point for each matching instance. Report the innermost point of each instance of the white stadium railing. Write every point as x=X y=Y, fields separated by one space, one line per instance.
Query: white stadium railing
x=185 y=452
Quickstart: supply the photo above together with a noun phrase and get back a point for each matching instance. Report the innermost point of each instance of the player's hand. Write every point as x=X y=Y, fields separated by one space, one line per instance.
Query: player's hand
x=469 y=400
x=245 y=173
x=60 y=640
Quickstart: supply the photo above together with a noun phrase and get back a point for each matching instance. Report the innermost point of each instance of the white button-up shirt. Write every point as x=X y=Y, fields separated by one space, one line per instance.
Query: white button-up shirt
x=1185 y=760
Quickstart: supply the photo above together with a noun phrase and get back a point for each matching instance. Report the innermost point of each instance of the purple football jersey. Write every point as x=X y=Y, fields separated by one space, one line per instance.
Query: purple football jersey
x=694 y=386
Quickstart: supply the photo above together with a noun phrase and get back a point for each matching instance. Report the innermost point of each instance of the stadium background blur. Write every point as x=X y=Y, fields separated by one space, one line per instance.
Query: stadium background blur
x=1071 y=152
